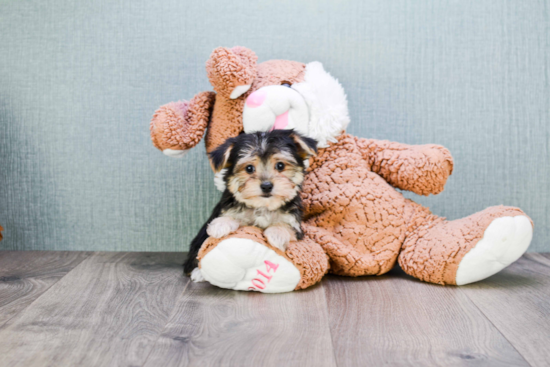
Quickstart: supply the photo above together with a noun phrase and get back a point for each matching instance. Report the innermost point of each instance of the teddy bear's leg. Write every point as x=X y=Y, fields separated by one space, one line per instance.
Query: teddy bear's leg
x=348 y=259
x=245 y=261
x=466 y=250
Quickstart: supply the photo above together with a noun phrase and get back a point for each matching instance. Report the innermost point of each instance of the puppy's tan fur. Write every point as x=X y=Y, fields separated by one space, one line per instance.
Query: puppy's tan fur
x=245 y=165
x=286 y=184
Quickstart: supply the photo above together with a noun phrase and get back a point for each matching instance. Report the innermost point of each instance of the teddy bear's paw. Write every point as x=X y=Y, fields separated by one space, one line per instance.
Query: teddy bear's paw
x=175 y=153
x=244 y=264
x=503 y=242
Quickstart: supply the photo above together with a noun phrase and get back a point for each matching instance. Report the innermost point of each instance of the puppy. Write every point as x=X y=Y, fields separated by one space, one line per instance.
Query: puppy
x=261 y=175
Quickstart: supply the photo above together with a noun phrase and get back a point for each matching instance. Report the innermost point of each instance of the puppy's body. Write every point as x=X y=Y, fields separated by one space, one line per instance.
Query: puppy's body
x=261 y=174
x=289 y=214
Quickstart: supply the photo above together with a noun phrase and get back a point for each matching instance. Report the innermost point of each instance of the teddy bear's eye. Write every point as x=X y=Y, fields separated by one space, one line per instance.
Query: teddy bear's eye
x=250 y=169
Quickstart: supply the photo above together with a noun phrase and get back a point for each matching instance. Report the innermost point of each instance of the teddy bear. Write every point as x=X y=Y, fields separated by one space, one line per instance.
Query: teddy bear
x=356 y=222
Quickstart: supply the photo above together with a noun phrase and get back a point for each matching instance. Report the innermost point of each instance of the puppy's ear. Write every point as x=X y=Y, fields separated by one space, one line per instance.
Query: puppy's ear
x=307 y=147
x=219 y=157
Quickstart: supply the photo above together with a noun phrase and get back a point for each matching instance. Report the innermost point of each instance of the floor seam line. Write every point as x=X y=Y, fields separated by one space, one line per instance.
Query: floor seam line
x=47 y=289
x=496 y=327
x=543 y=264
x=328 y=325
x=167 y=321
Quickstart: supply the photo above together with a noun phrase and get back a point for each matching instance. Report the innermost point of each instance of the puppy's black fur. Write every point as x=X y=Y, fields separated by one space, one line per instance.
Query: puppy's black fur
x=191 y=262
x=225 y=157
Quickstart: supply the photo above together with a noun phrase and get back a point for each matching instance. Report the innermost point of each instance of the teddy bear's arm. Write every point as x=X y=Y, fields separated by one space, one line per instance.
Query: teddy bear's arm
x=422 y=169
x=179 y=126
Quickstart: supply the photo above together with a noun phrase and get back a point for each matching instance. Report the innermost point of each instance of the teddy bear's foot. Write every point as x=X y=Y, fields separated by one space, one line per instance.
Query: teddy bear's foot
x=503 y=242
x=244 y=264
x=466 y=250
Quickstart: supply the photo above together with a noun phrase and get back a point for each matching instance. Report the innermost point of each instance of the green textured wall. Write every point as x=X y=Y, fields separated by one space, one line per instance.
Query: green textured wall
x=79 y=82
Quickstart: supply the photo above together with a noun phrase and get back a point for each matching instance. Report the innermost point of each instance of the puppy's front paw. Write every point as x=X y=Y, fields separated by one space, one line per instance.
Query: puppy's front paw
x=278 y=237
x=196 y=276
x=221 y=227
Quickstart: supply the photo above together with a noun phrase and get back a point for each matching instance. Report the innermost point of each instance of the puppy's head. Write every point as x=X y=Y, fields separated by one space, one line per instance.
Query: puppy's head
x=263 y=170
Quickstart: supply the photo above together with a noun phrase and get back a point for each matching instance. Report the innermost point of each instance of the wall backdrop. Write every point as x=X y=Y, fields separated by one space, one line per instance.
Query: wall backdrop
x=80 y=80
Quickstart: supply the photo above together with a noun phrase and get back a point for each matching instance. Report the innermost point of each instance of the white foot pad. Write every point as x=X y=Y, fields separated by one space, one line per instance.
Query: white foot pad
x=196 y=276
x=503 y=242
x=175 y=153
x=243 y=264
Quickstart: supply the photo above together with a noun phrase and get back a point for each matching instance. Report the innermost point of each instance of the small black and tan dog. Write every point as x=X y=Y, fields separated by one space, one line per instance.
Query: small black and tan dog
x=261 y=175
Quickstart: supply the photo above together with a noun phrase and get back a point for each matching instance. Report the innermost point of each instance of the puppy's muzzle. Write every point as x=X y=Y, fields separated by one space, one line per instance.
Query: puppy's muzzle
x=266 y=187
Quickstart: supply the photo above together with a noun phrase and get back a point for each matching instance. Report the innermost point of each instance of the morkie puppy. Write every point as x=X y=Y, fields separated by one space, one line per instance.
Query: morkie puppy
x=261 y=175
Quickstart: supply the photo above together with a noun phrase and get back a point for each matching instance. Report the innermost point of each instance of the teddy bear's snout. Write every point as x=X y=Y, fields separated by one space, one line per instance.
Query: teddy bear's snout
x=275 y=107
x=256 y=99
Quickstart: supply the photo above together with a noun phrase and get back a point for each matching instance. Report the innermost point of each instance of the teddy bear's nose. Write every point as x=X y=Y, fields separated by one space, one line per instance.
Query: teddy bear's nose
x=256 y=99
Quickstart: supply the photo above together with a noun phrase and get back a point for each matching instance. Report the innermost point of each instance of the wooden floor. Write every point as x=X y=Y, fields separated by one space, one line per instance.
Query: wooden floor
x=136 y=309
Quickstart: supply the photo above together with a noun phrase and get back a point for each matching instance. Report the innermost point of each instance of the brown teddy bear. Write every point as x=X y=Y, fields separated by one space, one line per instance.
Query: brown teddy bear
x=356 y=222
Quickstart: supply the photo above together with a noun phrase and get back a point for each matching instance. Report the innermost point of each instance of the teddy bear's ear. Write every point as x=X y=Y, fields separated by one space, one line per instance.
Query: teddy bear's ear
x=231 y=71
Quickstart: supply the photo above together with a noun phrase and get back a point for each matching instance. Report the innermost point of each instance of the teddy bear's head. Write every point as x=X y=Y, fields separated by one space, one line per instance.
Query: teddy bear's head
x=250 y=97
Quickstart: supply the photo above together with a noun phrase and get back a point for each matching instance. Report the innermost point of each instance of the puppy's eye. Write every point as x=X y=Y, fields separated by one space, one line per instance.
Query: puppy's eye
x=250 y=169
x=279 y=166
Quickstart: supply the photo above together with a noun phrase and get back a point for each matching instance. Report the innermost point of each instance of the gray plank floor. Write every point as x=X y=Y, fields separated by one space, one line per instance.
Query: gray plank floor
x=136 y=309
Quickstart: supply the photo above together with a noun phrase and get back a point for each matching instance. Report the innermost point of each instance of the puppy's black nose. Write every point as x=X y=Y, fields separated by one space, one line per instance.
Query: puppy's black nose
x=266 y=187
